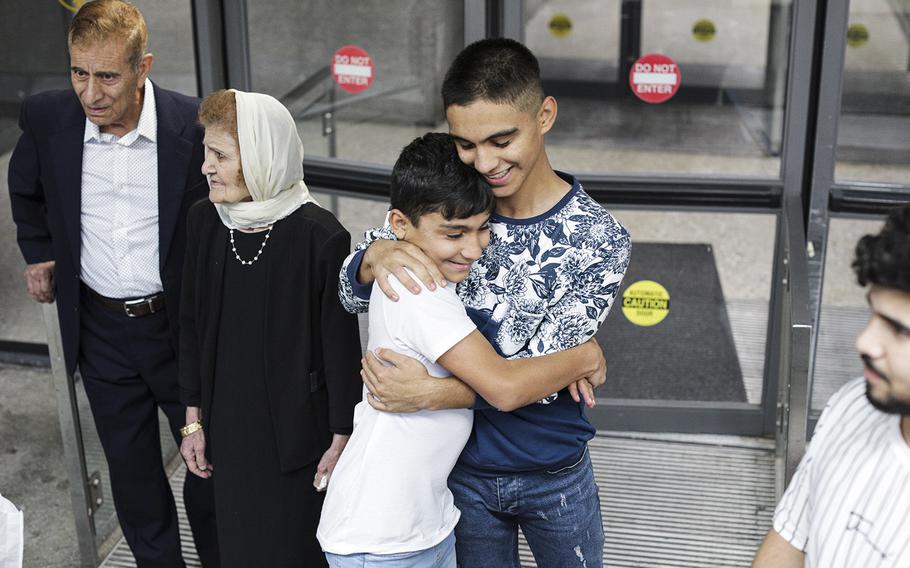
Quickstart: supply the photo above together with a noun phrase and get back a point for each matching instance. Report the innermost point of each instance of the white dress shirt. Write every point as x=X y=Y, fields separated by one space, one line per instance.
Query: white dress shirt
x=119 y=213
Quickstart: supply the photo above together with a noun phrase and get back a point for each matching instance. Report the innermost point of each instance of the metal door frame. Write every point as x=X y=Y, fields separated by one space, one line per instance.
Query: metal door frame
x=790 y=188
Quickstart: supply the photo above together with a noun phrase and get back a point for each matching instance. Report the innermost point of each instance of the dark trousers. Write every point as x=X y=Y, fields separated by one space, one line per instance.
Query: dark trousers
x=129 y=370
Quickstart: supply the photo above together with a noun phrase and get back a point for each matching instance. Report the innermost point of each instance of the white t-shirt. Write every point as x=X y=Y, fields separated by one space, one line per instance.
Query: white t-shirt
x=388 y=493
x=849 y=502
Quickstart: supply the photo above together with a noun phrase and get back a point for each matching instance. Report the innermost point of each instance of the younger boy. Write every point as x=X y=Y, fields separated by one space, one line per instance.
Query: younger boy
x=388 y=502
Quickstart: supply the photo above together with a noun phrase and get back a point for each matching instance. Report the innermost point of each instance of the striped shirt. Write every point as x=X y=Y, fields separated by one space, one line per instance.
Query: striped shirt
x=849 y=501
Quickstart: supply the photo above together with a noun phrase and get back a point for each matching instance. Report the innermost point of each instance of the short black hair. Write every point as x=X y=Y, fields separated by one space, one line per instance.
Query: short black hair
x=884 y=259
x=428 y=177
x=499 y=70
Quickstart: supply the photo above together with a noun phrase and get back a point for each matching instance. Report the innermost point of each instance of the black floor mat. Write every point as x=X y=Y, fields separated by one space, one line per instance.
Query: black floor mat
x=689 y=355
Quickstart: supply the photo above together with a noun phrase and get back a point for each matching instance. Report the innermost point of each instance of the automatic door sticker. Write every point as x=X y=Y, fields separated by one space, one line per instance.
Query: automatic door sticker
x=857 y=35
x=703 y=30
x=646 y=303
x=560 y=25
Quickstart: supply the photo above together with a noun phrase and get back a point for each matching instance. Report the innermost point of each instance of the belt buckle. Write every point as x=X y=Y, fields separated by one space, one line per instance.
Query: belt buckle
x=138 y=302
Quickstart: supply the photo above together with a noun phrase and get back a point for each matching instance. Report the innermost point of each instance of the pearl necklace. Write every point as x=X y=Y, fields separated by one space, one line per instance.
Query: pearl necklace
x=261 y=248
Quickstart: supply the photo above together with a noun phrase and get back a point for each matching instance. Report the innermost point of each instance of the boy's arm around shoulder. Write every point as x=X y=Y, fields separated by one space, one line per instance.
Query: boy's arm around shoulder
x=374 y=259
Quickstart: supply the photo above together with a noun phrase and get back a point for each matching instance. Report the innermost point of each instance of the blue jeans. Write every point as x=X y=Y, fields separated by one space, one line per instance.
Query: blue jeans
x=558 y=512
x=440 y=556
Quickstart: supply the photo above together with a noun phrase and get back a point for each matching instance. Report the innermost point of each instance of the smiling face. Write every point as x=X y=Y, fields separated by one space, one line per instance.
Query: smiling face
x=453 y=244
x=885 y=349
x=222 y=167
x=108 y=87
x=503 y=142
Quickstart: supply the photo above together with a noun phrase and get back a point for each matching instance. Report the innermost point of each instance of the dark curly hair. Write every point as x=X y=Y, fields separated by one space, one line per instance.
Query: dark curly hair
x=884 y=259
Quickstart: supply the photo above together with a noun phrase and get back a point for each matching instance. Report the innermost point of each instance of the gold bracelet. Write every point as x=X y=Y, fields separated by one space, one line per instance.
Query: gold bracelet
x=190 y=428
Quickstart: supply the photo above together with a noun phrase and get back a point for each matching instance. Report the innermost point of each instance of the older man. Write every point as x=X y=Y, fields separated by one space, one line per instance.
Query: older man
x=100 y=182
x=849 y=503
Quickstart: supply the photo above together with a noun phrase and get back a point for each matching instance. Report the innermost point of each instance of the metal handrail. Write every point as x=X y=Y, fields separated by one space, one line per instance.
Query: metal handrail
x=73 y=445
x=867 y=198
x=796 y=340
x=366 y=180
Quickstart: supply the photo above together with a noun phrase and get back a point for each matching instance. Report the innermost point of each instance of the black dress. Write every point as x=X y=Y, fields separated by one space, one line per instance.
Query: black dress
x=264 y=517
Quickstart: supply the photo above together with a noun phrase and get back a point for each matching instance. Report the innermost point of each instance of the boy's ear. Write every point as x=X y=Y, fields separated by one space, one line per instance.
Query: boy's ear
x=546 y=116
x=399 y=223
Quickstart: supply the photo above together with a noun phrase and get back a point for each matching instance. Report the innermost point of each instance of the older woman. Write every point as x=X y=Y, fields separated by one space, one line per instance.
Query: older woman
x=269 y=360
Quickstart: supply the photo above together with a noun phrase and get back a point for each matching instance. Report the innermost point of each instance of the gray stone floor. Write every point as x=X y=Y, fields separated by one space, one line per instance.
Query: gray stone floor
x=32 y=472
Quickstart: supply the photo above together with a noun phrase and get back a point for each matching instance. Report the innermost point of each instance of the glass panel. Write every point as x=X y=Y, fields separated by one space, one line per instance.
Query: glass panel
x=22 y=320
x=716 y=269
x=844 y=311
x=32 y=59
x=170 y=25
x=873 y=140
x=726 y=118
x=409 y=44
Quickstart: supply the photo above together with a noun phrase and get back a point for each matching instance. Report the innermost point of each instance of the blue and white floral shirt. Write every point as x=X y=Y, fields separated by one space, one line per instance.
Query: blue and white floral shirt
x=544 y=284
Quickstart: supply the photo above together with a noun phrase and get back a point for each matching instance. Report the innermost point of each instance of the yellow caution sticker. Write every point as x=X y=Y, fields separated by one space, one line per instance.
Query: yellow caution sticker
x=857 y=35
x=703 y=30
x=646 y=303
x=560 y=25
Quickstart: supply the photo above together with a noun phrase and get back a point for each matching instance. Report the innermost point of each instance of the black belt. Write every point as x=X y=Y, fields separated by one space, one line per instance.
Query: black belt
x=135 y=308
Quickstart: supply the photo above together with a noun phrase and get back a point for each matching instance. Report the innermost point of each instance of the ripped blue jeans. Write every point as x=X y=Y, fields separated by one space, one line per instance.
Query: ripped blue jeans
x=558 y=512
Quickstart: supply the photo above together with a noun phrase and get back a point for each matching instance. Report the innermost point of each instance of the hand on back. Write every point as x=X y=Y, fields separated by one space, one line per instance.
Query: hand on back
x=398 y=387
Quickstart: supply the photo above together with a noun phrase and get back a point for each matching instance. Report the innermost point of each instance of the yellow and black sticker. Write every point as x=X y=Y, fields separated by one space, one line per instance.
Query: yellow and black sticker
x=703 y=30
x=646 y=303
x=72 y=5
x=560 y=25
x=857 y=35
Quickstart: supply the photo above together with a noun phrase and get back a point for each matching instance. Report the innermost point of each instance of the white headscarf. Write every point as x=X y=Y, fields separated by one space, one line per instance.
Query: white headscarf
x=271 y=155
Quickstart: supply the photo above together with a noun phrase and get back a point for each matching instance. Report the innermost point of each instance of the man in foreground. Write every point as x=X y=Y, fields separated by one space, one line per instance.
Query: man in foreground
x=848 y=504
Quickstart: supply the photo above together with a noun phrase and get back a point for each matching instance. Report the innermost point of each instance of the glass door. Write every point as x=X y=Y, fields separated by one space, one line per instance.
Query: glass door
x=866 y=75
x=685 y=96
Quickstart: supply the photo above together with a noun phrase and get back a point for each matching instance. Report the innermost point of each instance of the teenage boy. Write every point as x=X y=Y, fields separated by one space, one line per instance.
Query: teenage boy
x=387 y=501
x=545 y=283
x=849 y=503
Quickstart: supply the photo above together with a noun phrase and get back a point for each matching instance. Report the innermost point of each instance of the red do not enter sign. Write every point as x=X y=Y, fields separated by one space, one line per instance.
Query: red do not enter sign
x=655 y=78
x=352 y=69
